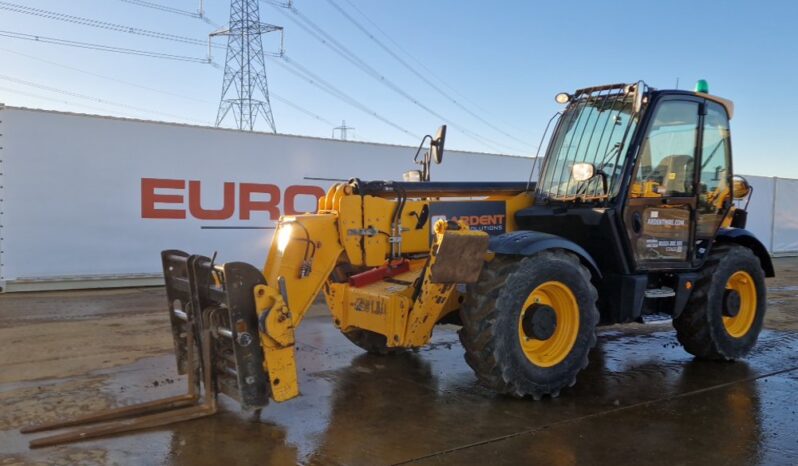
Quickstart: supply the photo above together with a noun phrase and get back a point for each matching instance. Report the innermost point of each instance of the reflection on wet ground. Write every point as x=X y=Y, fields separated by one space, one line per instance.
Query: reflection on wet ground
x=641 y=399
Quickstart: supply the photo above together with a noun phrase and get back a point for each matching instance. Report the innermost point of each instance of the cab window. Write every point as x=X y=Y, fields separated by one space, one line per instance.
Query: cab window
x=666 y=164
x=714 y=195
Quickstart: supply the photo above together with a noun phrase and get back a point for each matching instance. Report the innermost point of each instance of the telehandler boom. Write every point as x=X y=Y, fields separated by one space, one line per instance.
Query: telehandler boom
x=632 y=214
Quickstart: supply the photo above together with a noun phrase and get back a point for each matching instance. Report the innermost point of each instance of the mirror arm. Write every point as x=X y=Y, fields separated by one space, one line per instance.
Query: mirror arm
x=420 y=146
x=604 y=185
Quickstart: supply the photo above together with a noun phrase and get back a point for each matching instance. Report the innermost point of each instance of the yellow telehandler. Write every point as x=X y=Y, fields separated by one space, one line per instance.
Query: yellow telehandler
x=632 y=214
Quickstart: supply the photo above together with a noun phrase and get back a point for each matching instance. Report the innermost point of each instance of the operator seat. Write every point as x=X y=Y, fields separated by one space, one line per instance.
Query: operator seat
x=676 y=173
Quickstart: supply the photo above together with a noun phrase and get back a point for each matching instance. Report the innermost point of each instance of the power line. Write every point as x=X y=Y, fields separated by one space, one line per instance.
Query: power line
x=94 y=99
x=309 y=26
x=168 y=9
x=421 y=76
x=51 y=99
x=159 y=35
x=303 y=110
x=421 y=64
x=160 y=91
x=104 y=48
x=97 y=75
x=316 y=80
x=327 y=39
x=102 y=24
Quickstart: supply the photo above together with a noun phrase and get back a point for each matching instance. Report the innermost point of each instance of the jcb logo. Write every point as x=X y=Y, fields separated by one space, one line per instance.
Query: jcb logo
x=248 y=197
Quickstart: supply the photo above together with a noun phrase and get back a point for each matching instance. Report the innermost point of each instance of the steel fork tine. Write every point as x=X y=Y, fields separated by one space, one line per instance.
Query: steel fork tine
x=129 y=418
x=127 y=425
x=116 y=413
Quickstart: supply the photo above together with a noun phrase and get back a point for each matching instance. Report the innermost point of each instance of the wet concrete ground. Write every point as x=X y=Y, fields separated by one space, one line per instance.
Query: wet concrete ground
x=642 y=400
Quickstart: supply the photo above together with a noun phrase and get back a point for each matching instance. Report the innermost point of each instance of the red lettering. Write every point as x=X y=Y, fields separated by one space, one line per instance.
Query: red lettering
x=247 y=205
x=195 y=203
x=149 y=198
x=293 y=191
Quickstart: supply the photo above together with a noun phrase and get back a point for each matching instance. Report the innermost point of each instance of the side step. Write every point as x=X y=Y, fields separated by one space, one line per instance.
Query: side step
x=657 y=293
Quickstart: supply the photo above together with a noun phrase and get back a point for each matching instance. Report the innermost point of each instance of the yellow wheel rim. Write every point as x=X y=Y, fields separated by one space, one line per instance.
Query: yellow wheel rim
x=552 y=350
x=740 y=324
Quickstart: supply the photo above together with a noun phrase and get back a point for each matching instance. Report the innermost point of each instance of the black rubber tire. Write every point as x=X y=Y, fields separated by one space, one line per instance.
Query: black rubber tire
x=490 y=323
x=372 y=342
x=699 y=328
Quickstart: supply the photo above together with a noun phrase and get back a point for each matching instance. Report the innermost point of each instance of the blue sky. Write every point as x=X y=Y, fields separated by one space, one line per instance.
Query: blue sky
x=502 y=60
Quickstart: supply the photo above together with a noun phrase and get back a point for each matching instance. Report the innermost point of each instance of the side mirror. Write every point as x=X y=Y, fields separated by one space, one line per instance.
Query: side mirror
x=583 y=171
x=436 y=146
x=740 y=187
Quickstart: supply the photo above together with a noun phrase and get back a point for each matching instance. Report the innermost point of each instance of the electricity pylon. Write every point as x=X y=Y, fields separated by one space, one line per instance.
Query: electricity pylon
x=245 y=89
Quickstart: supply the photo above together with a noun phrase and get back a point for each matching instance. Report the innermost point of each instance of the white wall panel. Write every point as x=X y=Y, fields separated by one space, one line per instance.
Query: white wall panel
x=760 y=209
x=785 y=227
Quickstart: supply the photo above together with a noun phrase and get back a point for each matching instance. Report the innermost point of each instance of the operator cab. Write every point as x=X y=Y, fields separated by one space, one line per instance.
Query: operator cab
x=649 y=170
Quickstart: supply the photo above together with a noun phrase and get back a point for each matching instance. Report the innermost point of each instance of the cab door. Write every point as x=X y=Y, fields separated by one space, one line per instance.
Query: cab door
x=661 y=203
x=714 y=178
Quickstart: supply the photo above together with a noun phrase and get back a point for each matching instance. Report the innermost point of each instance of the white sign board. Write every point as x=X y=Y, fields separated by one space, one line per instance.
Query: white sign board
x=86 y=196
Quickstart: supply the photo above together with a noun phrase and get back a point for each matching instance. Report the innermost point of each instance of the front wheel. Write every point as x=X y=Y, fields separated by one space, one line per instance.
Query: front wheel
x=725 y=312
x=529 y=323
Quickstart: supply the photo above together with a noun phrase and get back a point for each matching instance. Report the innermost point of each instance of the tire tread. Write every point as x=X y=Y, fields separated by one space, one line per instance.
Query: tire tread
x=478 y=333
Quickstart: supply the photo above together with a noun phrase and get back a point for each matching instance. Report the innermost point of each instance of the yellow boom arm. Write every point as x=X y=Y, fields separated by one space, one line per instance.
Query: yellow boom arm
x=340 y=250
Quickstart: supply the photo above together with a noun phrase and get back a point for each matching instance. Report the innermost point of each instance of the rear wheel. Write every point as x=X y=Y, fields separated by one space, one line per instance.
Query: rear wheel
x=724 y=314
x=529 y=323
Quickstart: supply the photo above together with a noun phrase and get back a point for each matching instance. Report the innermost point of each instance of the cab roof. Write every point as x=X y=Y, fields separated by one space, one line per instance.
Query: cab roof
x=727 y=104
x=623 y=87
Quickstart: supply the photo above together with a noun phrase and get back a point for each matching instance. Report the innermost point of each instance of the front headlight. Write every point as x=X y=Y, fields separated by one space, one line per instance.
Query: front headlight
x=562 y=98
x=284 y=236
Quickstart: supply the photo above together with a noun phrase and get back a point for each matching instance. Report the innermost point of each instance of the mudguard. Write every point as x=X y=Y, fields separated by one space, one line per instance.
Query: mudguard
x=745 y=238
x=527 y=243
